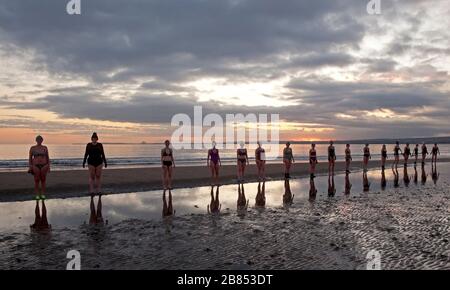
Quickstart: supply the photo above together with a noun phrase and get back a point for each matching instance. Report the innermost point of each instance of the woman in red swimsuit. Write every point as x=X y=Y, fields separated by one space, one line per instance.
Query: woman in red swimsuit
x=213 y=162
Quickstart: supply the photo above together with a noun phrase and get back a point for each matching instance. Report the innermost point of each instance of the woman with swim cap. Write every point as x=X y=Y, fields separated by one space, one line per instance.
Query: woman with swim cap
x=312 y=160
x=39 y=166
x=213 y=161
x=242 y=161
x=260 y=157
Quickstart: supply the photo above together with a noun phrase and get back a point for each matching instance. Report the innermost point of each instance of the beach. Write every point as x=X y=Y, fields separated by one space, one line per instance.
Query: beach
x=407 y=226
x=17 y=186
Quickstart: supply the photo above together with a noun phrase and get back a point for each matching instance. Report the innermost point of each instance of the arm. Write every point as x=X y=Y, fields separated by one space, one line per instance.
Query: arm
x=30 y=159
x=246 y=157
x=292 y=156
x=86 y=154
x=207 y=158
x=47 y=156
x=104 y=157
x=218 y=155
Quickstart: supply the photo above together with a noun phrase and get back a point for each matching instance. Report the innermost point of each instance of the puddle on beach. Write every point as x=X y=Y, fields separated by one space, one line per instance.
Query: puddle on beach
x=73 y=212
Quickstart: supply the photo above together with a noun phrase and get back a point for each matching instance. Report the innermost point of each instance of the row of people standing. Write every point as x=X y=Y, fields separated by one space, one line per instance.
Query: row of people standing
x=39 y=162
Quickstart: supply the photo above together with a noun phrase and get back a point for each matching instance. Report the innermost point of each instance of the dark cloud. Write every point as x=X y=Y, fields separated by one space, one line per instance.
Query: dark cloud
x=160 y=45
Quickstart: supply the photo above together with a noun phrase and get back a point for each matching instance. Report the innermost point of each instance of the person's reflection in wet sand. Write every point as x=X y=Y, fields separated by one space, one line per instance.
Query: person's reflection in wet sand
x=406 y=178
x=288 y=197
x=366 y=183
x=96 y=217
x=383 y=179
x=331 y=186
x=312 y=190
x=40 y=219
x=416 y=178
x=214 y=207
x=396 y=177
x=434 y=173
x=424 y=174
x=260 y=199
x=348 y=185
x=242 y=202
x=168 y=210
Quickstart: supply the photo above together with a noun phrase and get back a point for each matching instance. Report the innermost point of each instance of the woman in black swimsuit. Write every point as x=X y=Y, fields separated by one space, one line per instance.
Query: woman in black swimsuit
x=260 y=157
x=434 y=153
x=397 y=152
x=348 y=158
x=242 y=161
x=416 y=154
x=96 y=159
x=366 y=156
x=39 y=166
x=384 y=156
x=331 y=158
x=406 y=153
x=312 y=160
x=424 y=153
x=167 y=163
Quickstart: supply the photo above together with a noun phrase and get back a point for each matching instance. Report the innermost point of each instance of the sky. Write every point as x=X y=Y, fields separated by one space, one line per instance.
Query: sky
x=125 y=68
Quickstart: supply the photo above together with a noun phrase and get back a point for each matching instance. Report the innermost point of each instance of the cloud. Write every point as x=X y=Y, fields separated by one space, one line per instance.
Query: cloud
x=140 y=62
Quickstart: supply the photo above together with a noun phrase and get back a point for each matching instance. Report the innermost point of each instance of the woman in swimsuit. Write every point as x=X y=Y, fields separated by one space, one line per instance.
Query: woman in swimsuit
x=384 y=156
x=348 y=158
x=416 y=154
x=434 y=153
x=260 y=157
x=397 y=152
x=213 y=161
x=39 y=166
x=312 y=160
x=242 y=161
x=406 y=153
x=366 y=156
x=288 y=159
x=424 y=153
x=331 y=158
x=167 y=163
x=96 y=159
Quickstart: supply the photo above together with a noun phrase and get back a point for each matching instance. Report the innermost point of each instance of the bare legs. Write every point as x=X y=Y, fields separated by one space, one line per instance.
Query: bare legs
x=167 y=177
x=40 y=179
x=365 y=163
x=261 y=169
x=214 y=173
x=331 y=167
x=241 y=170
x=287 y=168
x=95 y=179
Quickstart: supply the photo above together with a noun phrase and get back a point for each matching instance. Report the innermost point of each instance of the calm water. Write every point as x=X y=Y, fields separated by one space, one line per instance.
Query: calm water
x=13 y=157
x=73 y=212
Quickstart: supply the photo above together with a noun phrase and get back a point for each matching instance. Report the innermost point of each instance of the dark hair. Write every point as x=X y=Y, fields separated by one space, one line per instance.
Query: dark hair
x=396 y=142
x=167 y=141
x=94 y=135
x=39 y=137
x=347 y=144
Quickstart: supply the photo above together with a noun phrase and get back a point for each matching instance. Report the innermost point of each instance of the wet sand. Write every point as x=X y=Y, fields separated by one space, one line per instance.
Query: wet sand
x=18 y=186
x=408 y=226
